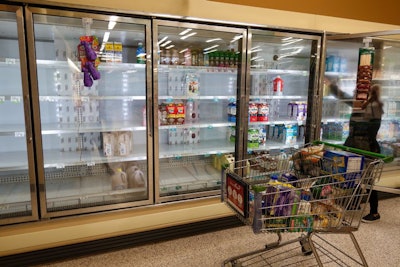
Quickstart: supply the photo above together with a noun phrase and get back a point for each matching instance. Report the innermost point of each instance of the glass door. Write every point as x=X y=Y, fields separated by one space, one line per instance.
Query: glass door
x=92 y=81
x=343 y=86
x=283 y=82
x=198 y=82
x=17 y=175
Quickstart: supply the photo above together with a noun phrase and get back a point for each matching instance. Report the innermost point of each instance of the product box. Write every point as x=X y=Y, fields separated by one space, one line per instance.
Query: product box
x=108 y=52
x=176 y=136
x=117 y=52
x=350 y=164
x=117 y=143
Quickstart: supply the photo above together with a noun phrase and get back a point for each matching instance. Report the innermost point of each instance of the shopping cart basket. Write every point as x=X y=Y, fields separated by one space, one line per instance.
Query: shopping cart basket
x=310 y=191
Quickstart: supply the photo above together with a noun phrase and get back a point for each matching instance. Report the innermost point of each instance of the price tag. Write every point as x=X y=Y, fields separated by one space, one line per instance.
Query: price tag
x=90 y=164
x=60 y=166
x=216 y=100
x=2 y=99
x=85 y=99
x=19 y=134
x=10 y=60
x=15 y=99
x=178 y=157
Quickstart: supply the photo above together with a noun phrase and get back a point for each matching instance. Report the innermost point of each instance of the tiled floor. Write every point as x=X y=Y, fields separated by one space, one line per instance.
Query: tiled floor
x=379 y=241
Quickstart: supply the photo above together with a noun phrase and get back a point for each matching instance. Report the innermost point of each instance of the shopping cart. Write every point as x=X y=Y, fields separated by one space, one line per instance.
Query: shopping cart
x=309 y=192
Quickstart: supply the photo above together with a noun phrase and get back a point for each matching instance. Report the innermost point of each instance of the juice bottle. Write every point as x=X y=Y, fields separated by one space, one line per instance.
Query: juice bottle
x=140 y=54
x=278 y=86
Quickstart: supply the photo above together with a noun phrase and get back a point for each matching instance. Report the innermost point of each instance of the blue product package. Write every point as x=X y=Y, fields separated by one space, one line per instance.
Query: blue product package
x=350 y=164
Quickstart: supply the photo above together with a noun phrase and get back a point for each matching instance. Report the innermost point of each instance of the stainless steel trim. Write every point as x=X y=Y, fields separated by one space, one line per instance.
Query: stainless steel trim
x=183 y=18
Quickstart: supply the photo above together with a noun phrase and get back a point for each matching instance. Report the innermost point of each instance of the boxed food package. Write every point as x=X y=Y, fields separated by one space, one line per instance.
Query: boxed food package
x=350 y=164
x=117 y=143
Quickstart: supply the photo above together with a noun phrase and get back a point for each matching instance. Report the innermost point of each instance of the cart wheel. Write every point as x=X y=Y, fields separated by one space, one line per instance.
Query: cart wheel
x=305 y=247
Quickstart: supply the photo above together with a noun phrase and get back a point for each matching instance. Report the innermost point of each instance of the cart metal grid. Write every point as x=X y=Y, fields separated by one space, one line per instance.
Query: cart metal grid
x=314 y=191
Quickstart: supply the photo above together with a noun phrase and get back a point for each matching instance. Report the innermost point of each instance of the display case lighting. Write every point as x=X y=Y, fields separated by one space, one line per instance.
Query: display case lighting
x=112 y=22
x=188 y=35
x=106 y=37
x=167 y=42
x=211 y=47
x=162 y=40
x=213 y=40
x=185 y=31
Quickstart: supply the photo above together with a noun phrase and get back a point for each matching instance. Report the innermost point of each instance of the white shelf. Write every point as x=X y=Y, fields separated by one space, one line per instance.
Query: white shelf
x=58 y=159
x=183 y=97
x=203 y=148
x=272 y=145
x=90 y=127
x=75 y=65
x=279 y=72
x=87 y=98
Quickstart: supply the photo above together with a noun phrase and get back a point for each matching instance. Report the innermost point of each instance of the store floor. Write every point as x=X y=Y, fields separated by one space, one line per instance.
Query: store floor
x=379 y=241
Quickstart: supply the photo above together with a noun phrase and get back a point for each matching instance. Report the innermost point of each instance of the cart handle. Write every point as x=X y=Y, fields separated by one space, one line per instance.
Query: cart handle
x=386 y=159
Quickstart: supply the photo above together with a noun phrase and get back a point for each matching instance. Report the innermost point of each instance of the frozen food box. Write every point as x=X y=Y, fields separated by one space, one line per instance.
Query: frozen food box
x=350 y=164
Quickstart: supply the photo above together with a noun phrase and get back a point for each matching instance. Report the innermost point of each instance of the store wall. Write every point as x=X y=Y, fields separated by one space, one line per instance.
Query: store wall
x=383 y=11
x=237 y=13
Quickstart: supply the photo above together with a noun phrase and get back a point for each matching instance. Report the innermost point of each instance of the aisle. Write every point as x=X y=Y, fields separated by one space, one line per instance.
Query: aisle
x=379 y=241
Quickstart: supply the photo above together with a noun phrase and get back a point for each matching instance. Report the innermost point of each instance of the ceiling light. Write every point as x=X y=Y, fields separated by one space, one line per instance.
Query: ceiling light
x=211 y=47
x=112 y=22
x=106 y=36
x=162 y=40
x=188 y=35
x=213 y=40
x=167 y=42
x=185 y=32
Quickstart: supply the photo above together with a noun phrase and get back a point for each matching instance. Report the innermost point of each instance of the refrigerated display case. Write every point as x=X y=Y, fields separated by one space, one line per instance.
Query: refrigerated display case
x=17 y=170
x=283 y=77
x=89 y=92
x=134 y=111
x=198 y=84
x=342 y=57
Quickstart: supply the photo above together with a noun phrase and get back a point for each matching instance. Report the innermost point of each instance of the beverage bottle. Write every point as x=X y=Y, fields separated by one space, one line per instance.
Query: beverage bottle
x=278 y=86
x=140 y=54
x=188 y=57
x=175 y=57
x=191 y=115
x=217 y=59
x=206 y=60
x=200 y=58
x=211 y=59
x=168 y=57
x=195 y=58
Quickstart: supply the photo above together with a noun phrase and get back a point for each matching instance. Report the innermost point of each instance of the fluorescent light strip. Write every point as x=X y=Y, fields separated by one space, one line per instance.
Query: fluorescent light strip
x=292 y=42
x=292 y=48
x=287 y=39
x=211 y=47
x=237 y=37
x=213 y=40
x=162 y=40
x=187 y=36
x=106 y=37
x=183 y=51
x=185 y=32
x=112 y=22
x=208 y=52
x=167 y=42
x=170 y=46
x=255 y=50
